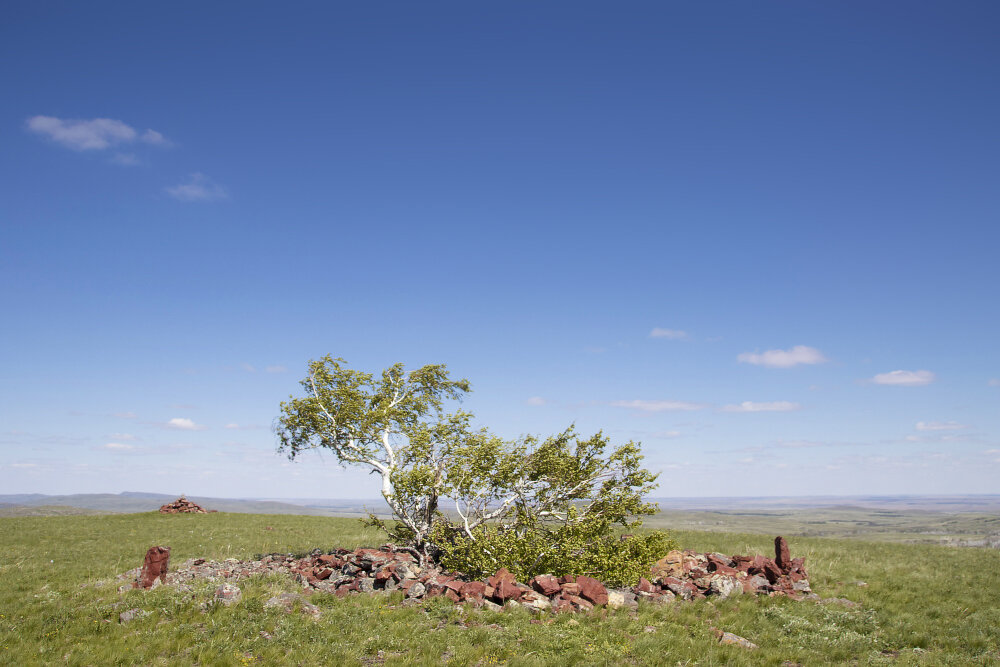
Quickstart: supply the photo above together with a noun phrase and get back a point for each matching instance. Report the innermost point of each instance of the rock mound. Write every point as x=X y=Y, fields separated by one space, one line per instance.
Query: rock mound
x=687 y=575
x=183 y=506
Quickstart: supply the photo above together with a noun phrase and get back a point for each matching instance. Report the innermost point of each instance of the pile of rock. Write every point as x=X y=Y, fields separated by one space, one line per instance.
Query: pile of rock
x=689 y=575
x=183 y=506
x=680 y=574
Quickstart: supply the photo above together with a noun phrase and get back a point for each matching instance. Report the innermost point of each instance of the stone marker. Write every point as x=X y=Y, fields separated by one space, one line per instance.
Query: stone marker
x=782 y=556
x=154 y=567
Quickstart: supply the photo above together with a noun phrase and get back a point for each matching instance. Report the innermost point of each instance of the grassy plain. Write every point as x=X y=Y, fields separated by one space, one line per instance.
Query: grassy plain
x=922 y=604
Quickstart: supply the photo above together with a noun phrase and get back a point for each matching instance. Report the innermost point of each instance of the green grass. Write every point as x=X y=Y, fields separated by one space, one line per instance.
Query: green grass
x=889 y=525
x=54 y=608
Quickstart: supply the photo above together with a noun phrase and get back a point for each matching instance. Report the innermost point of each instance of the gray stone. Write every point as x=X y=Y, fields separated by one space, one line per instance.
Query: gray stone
x=730 y=639
x=228 y=594
x=131 y=614
x=416 y=590
x=723 y=586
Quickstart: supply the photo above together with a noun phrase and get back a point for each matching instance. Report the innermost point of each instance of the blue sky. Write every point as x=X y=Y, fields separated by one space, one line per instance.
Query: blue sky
x=761 y=238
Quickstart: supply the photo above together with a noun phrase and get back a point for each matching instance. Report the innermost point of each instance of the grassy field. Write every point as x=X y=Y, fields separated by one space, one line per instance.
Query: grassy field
x=922 y=604
x=889 y=525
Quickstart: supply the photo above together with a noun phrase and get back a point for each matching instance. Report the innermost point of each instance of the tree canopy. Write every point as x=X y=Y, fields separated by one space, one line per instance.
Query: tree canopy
x=451 y=486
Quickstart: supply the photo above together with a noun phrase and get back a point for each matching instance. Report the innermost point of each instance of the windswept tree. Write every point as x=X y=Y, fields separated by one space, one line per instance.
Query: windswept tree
x=462 y=493
x=394 y=424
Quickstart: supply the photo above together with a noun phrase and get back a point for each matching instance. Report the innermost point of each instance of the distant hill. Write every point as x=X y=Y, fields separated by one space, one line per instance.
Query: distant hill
x=150 y=502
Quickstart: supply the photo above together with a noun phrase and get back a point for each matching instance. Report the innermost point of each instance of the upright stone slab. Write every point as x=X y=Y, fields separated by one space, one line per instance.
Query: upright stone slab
x=154 y=567
x=782 y=556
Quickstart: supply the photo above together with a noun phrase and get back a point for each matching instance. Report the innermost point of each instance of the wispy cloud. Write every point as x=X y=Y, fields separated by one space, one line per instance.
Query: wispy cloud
x=994 y=382
x=940 y=426
x=233 y=426
x=536 y=401
x=185 y=424
x=128 y=437
x=800 y=354
x=669 y=334
x=658 y=406
x=118 y=447
x=754 y=406
x=95 y=134
x=197 y=188
x=277 y=368
x=126 y=415
x=904 y=378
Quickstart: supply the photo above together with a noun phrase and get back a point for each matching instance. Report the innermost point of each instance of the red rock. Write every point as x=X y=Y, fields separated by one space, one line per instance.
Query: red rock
x=331 y=560
x=545 y=584
x=154 y=566
x=451 y=595
x=579 y=603
x=504 y=585
x=567 y=579
x=782 y=556
x=455 y=584
x=725 y=569
x=571 y=588
x=324 y=573
x=405 y=584
x=771 y=570
x=644 y=586
x=592 y=590
x=561 y=603
x=473 y=590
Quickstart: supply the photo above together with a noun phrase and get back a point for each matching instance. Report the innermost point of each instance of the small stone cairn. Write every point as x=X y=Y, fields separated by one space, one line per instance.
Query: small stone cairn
x=183 y=506
x=686 y=575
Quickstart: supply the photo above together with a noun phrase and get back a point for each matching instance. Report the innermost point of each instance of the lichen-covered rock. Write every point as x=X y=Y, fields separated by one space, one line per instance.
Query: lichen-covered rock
x=228 y=594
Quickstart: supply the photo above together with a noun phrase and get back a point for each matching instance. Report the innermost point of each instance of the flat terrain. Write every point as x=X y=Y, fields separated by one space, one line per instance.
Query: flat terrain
x=922 y=604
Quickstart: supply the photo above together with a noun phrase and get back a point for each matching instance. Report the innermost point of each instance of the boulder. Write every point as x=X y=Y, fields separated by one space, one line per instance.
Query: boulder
x=504 y=585
x=593 y=590
x=671 y=565
x=546 y=584
x=782 y=556
x=154 y=567
x=723 y=585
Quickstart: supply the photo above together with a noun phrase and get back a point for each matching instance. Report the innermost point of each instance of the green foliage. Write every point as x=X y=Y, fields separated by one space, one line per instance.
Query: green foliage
x=553 y=500
x=571 y=550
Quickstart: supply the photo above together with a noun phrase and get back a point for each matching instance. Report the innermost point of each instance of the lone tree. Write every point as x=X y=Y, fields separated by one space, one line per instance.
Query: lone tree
x=547 y=501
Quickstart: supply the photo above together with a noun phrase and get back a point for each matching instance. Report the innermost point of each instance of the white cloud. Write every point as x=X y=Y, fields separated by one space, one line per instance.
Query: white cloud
x=536 y=401
x=753 y=406
x=940 y=426
x=276 y=369
x=669 y=334
x=118 y=447
x=94 y=134
x=24 y=465
x=198 y=187
x=153 y=137
x=184 y=424
x=232 y=426
x=904 y=378
x=658 y=406
x=800 y=354
x=992 y=451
